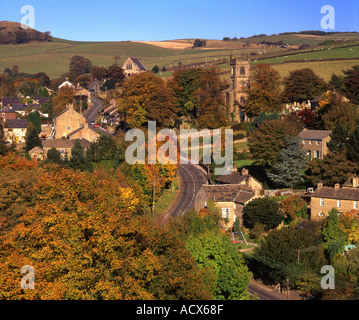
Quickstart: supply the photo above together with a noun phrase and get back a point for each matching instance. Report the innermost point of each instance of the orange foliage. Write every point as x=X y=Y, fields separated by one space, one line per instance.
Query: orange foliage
x=15 y=162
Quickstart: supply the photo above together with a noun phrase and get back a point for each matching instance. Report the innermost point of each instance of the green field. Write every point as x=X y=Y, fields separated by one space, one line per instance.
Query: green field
x=54 y=57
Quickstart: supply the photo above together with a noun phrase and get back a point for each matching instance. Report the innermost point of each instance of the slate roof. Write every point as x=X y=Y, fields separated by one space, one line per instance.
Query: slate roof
x=229 y=193
x=314 y=134
x=64 y=143
x=9 y=100
x=138 y=63
x=340 y=194
x=16 y=124
x=7 y=110
x=233 y=178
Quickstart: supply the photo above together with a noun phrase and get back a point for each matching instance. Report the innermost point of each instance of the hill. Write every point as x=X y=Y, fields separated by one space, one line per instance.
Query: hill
x=12 y=32
x=36 y=53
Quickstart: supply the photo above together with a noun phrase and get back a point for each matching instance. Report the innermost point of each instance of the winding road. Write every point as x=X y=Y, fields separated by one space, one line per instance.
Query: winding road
x=192 y=178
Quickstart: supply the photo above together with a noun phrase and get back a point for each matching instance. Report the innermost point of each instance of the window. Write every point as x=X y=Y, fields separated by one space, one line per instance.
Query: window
x=243 y=70
x=310 y=142
x=338 y=204
x=206 y=204
x=321 y=214
x=68 y=128
x=62 y=151
x=322 y=202
x=232 y=71
x=316 y=154
x=355 y=204
x=303 y=141
x=225 y=213
x=317 y=143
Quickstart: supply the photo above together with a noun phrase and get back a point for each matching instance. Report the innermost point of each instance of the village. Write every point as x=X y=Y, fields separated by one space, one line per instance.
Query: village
x=89 y=206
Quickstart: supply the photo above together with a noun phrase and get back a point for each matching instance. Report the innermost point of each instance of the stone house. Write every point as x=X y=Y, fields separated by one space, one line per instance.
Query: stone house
x=64 y=146
x=343 y=198
x=15 y=130
x=37 y=154
x=230 y=199
x=133 y=66
x=85 y=132
x=67 y=122
x=314 y=142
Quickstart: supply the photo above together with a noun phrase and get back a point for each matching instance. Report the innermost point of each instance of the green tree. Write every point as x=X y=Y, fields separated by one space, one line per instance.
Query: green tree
x=103 y=148
x=156 y=69
x=216 y=252
x=351 y=84
x=32 y=139
x=78 y=160
x=291 y=161
x=333 y=235
x=35 y=118
x=4 y=148
x=353 y=146
x=264 y=211
x=338 y=139
x=53 y=156
x=303 y=85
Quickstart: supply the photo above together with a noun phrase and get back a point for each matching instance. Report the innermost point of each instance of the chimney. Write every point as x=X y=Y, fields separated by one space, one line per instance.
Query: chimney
x=320 y=185
x=245 y=172
x=355 y=181
x=234 y=168
x=337 y=186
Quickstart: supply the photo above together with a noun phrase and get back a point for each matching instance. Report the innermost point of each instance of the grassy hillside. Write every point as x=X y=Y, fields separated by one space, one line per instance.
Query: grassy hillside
x=54 y=57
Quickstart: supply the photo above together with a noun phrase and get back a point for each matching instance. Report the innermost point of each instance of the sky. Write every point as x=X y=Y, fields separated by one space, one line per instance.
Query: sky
x=156 y=20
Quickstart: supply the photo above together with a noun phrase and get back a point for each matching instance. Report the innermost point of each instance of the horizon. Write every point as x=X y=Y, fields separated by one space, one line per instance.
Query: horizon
x=116 y=21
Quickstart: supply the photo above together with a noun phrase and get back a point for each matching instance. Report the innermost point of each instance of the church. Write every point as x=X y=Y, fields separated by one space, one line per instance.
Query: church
x=236 y=95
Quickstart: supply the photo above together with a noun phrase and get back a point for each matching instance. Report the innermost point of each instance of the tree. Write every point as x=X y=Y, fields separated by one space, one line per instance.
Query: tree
x=32 y=139
x=78 y=160
x=353 y=146
x=351 y=84
x=295 y=207
x=35 y=118
x=53 y=156
x=303 y=85
x=264 y=211
x=103 y=148
x=156 y=69
x=334 y=109
x=276 y=260
x=80 y=65
x=264 y=94
x=307 y=117
x=65 y=96
x=99 y=73
x=123 y=255
x=291 y=161
x=266 y=142
x=199 y=43
x=4 y=148
x=338 y=140
x=216 y=252
x=333 y=235
x=142 y=93
x=332 y=169
x=116 y=74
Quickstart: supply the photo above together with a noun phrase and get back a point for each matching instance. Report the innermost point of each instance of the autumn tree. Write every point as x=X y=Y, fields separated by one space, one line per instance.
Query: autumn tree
x=303 y=85
x=86 y=242
x=264 y=94
x=65 y=96
x=145 y=97
x=80 y=65
x=294 y=207
x=116 y=74
x=268 y=140
x=332 y=169
x=334 y=109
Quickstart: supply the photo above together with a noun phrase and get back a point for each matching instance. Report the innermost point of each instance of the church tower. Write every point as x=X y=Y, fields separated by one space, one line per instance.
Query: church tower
x=240 y=80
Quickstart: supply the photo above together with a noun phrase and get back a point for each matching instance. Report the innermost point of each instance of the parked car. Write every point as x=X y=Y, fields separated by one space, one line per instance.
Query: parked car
x=96 y=125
